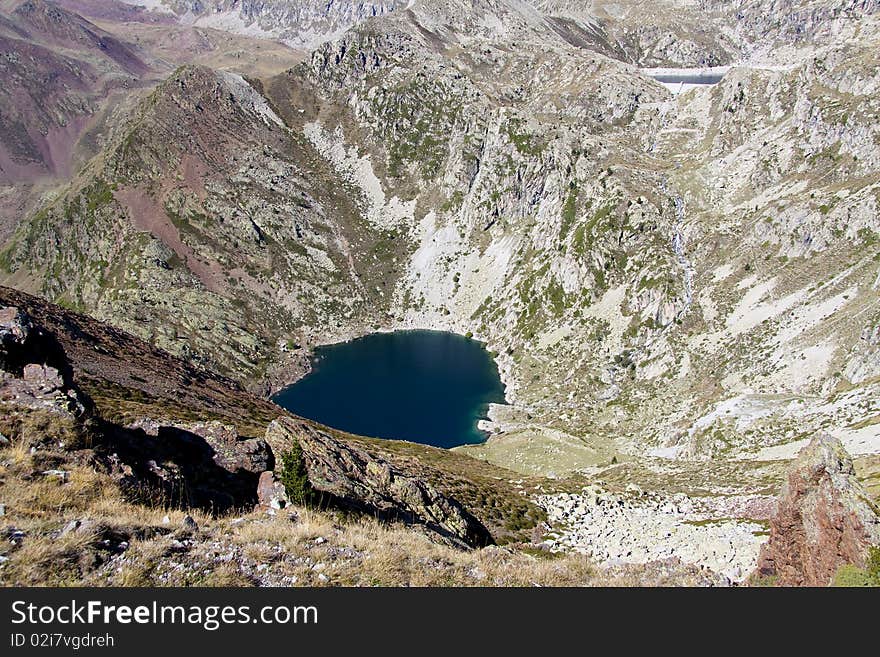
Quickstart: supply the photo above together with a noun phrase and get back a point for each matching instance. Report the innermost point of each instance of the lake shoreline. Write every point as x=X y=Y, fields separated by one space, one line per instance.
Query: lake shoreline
x=421 y=385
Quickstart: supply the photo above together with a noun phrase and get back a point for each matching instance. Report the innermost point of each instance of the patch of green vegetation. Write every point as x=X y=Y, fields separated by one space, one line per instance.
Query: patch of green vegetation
x=540 y=552
x=98 y=195
x=599 y=277
x=385 y=246
x=760 y=582
x=556 y=297
x=530 y=296
x=7 y=258
x=831 y=153
x=417 y=118
x=51 y=244
x=850 y=575
x=525 y=143
x=708 y=522
x=569 y=210
x=295 y=477
x=585 y=233
x=602 y=331
x=868 y=236
x=518 y=518
x=483 y=307
x=652 y=283
x=453 y=203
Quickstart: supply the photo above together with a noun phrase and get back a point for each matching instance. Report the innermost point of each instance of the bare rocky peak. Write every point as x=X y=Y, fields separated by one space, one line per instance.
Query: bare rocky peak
x=824 y=519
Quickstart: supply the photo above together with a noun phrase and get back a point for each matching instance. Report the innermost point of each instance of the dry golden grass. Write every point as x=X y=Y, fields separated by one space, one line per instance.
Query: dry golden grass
x=227 y=575
x=49 y=497
x=295 y=546
x=31 y=427
x=395 y=556
x=139 y=568
x=55 y=562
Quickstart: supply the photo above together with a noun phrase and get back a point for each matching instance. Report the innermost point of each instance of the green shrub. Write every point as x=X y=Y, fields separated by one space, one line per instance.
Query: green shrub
x=295 y=477
x=850 y=575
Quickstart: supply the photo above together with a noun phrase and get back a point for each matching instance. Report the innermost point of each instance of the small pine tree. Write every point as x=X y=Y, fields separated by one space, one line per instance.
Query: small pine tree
x=295 y=477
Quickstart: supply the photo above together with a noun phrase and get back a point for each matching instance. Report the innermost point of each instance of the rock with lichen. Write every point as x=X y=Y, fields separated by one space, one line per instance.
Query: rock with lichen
x=349 y=477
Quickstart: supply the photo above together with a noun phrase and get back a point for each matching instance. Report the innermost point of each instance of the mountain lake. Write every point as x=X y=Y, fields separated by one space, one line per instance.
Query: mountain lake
x=428 y=387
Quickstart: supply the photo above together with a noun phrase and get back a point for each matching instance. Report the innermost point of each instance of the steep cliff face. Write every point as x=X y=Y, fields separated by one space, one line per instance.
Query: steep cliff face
x=824 y=520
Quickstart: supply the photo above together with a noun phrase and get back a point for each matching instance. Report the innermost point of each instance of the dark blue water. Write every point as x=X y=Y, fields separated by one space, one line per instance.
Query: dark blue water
x=424 y=386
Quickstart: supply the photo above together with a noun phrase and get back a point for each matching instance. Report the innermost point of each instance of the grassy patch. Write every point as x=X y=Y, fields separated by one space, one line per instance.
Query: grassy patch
x=849 y=575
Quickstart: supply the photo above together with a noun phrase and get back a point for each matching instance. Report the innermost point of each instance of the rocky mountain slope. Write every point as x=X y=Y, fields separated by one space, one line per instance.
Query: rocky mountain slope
x=299 y=23
x=204 y=229
x=163 y=427
x=76 y=69
x=549 y=209
x=62 y=71
x=677 y=288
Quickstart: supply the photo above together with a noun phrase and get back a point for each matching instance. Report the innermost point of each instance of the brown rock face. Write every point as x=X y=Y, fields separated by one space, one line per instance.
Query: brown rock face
x=824 y=519
x=200 y=464
x=351 y=478
x=230 y=451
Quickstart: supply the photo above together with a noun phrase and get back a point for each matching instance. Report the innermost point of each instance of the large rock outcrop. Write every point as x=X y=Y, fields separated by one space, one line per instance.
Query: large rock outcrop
x=824 y=519
x=34 y=372
x=349 y=477
x=202 y=464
